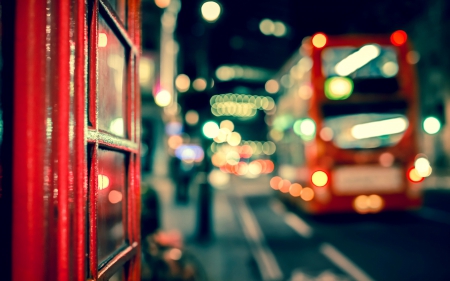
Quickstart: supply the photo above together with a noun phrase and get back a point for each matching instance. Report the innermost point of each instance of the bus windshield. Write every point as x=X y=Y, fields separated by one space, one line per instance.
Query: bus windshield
x=369 y=61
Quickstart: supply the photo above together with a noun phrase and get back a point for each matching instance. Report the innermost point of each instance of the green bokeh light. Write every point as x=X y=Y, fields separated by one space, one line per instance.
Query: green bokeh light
x=338 y=88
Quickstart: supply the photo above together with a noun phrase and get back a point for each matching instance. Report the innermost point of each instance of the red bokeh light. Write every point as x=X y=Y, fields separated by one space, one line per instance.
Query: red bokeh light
x=398 y=38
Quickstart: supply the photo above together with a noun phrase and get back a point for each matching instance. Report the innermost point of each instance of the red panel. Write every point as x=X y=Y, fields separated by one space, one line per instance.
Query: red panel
x=80 y=171
x=29 y=141
x=93 y=182
x=61 y=134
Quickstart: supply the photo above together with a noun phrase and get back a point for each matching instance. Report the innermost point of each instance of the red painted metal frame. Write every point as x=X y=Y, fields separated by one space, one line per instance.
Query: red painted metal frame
x=80 y=169
x=50 y=195
x=29 y=137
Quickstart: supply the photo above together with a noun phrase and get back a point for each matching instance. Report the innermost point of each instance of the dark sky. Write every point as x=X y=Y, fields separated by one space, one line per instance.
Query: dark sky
x=240 y=18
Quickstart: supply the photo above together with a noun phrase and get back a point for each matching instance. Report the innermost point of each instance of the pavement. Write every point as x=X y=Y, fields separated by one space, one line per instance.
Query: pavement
x=227 y=255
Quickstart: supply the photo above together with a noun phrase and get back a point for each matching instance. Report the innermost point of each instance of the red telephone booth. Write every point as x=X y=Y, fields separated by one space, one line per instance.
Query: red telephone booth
x=75 y=140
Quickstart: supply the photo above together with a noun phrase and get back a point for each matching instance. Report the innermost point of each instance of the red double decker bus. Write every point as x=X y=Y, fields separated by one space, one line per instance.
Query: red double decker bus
x=346 y=125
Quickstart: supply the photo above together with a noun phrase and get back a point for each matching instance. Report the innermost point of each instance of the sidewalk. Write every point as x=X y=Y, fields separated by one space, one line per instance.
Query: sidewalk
x=226 y=257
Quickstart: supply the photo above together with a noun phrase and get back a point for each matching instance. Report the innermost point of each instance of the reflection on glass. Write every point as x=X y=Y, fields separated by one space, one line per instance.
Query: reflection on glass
x=112 y=81
x=110 y=202
x=119 y=6
x=369 y=61
x=355 y=131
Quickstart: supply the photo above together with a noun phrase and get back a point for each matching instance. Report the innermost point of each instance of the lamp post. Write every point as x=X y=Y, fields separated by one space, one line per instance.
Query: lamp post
x=210 y=11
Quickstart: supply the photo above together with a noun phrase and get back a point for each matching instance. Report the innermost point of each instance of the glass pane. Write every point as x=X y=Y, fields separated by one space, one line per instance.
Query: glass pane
x=118 y=276
x=110 y=202
x=119 y=7
x=112 y=81
x=369 y=61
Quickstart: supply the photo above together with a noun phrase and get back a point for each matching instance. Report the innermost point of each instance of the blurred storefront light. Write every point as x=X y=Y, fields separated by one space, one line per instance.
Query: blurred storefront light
x=174 y=141
x=199 y=84
x=234 y=139
x=174 y=128
x=266 y=26
x=280 y=29
x=182 y=82
x=227 y=124
x=272 y=86
x=211 y=129
x=192 y=117
x=162 y=3
x=163 y=98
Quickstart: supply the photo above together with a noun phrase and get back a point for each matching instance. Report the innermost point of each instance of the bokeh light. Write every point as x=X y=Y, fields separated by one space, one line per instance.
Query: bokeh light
x=272 y=86
x=307 y=194
x=211 y=11
x=182 y=82
x=338 y=88
x=319 y=40
x=319 y=178
x=234 y=139
x=227 y=124
x=174 y=141
x=266 y=26
x=162 y=3
x=191 y=117
x=284 y=186
x=399 y=38
x=431 y=125
x=211 y=129
x=274 y=182
x=163 y=98
x=199 y=84
x=295 y=189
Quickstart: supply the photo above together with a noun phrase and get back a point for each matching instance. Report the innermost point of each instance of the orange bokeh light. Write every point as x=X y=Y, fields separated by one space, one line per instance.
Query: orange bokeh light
x=284 y=186
x=319 y=40
x=307 y=194
x=274 y=182
x=413 y=175
x=398 y=38
x=295 y=189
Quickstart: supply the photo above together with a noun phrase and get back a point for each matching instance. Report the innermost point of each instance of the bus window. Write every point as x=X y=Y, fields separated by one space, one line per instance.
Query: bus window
x=369 y=61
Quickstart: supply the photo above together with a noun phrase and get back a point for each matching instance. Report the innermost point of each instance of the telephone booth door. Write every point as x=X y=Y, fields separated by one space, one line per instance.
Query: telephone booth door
x=75 y=149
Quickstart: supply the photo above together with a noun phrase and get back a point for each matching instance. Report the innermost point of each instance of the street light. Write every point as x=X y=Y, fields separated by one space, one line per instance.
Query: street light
x=211 y=11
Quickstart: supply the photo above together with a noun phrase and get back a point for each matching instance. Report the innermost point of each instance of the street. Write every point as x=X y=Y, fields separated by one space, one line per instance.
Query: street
x=388 y=246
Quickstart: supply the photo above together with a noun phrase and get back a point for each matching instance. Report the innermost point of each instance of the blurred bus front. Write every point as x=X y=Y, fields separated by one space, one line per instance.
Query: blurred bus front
x=346 y=126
